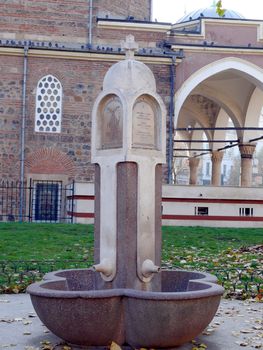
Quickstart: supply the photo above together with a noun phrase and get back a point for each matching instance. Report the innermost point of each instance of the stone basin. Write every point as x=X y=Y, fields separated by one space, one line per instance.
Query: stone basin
x=69 y=303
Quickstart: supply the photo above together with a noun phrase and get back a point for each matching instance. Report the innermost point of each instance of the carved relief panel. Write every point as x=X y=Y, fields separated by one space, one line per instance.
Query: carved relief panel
x=145 y=123
x=111 y=123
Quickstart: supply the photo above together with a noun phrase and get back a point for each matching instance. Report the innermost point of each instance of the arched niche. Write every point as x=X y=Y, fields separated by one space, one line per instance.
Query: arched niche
x=110 y=123
x=146 y=123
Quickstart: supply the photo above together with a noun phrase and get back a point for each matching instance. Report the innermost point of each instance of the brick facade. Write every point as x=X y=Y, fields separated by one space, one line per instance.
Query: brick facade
x=80 y=68
x=81 y=76
x=63 y=21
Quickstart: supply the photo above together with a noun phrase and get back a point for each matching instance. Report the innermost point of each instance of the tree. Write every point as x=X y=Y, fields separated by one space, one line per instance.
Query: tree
x=219 y=10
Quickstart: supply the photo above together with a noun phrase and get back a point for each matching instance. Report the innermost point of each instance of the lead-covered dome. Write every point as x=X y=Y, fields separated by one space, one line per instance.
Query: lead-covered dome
x=209 y=12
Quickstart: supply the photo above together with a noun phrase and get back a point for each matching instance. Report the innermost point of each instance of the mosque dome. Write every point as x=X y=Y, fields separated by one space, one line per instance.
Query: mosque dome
x=209 y=12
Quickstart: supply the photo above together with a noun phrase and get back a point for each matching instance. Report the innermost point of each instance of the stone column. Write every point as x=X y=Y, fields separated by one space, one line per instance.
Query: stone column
x=216 y=158
x=193 y=165
x=246 y=152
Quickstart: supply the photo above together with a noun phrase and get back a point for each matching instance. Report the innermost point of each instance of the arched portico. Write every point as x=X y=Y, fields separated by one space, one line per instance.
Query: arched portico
x=230 y=88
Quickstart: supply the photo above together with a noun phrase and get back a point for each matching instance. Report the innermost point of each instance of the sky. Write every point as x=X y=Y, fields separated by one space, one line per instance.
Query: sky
x=173 y=10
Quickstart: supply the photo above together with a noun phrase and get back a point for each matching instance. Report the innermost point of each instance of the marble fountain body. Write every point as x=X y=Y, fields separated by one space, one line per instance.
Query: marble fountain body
x=70 y=304
x=126 y=297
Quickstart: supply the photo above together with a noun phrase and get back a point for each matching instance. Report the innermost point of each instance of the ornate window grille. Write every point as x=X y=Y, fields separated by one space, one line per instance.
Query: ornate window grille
x=48 y=105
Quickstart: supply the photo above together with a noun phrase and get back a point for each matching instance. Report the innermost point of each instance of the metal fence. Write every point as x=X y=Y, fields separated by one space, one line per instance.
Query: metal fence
x=15 y=276
x=38 y=201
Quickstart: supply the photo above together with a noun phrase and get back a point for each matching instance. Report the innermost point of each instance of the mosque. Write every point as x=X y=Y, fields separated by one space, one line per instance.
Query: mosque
x=53 y=57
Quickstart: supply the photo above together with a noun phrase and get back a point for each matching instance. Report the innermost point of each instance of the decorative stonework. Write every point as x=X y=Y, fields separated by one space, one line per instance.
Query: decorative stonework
x=48 y=105
x=111 y=123
x=129 y=46
x=144 y=124
x=247 y=150
x=217 y=156
x=49 y=161
x=128 y=134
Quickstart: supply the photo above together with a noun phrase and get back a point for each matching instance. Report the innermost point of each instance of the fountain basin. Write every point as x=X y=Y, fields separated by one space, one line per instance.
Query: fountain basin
x=69 y=303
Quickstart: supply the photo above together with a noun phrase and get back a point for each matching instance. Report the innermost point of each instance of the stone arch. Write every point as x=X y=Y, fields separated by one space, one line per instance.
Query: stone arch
x=224 y=101
x=248 y=70
x=49 y=161
x=222 y=120
x=253 y=114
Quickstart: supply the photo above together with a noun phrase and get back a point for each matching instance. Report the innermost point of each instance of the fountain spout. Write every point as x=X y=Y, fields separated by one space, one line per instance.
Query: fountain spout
x=149 y=268
x=104 y=267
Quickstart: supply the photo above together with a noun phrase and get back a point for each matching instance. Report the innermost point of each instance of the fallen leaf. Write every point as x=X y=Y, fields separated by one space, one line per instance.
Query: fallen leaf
x=235 y=333
x=26 y=322
x=241 y=343
x=114 y=346
x=6 y=320
x=246 y=331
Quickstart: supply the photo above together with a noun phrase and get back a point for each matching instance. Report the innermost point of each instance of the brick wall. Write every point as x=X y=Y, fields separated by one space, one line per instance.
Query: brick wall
x=81 y=82
x=37 y=20
x=62 y=20
x=10 y=115
x=139 y=9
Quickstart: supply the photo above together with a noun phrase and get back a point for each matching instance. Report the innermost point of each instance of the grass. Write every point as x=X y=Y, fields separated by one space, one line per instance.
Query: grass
x=209 y=247
x=33 y=241
x=30 y=241
x=199 y=248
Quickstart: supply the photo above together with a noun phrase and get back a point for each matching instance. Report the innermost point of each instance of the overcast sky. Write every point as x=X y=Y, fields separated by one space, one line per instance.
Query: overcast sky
x=172 y=10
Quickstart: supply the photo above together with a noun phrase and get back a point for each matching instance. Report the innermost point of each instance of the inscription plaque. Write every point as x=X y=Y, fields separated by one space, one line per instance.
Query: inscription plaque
x=144 y=125
x=111 y=123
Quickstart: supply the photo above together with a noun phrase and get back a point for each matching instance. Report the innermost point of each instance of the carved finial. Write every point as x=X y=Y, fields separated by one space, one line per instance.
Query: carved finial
x=129 y=46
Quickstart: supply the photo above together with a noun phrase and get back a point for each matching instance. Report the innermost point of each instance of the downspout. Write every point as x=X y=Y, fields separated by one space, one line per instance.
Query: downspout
x=150 y=10
x=171 y=121
x=90 y=21
x=22 y=136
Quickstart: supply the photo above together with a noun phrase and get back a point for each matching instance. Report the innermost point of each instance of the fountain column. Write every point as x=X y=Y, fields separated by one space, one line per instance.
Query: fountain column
x=128 y=148
x=246 y=151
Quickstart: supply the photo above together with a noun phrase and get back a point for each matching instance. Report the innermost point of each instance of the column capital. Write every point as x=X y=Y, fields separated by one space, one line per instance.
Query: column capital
x=217 y=156
x=194 y=161
x=247 y=150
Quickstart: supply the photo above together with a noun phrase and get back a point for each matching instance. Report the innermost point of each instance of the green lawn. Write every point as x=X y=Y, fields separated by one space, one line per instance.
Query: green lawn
x=30 y=241
x=44 y=247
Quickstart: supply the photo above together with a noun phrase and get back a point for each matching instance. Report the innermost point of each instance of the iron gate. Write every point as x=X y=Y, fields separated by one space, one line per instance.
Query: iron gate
x=42 y=201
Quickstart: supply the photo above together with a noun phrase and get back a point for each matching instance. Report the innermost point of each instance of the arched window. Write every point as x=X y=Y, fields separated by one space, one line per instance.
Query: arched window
x=48 y=105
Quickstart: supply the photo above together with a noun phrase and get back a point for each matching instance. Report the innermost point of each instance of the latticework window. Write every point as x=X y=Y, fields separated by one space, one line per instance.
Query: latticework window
x=48 y=105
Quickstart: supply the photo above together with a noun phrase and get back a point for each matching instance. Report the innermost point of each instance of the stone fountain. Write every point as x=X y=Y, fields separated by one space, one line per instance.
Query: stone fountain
x=126 y=297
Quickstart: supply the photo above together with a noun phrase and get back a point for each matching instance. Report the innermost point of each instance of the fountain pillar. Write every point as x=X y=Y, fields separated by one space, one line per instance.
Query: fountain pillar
x=127 y=301
x=128 y=148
